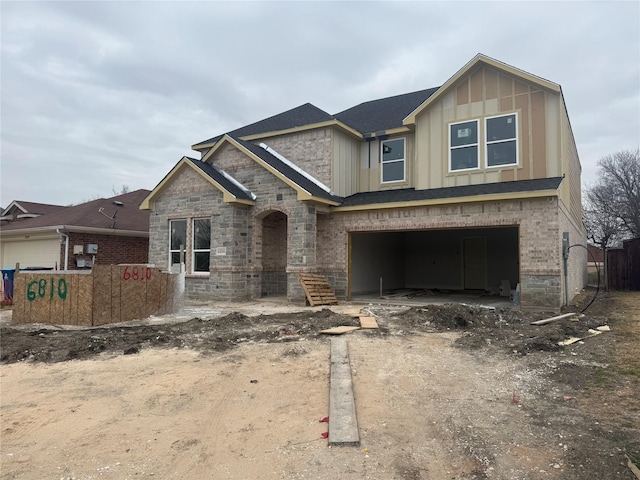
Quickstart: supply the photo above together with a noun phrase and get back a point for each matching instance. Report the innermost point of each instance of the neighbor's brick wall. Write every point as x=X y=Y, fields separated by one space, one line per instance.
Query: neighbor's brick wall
x=112 y=249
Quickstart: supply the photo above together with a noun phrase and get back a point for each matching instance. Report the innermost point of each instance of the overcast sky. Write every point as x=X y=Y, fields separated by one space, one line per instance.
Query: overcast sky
x=96 y=95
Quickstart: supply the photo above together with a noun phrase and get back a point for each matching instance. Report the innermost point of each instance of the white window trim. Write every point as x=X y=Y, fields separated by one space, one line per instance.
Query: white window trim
x=186 y=234
x=477 y=144
x=200 y=250
x=403 y=160
x=487 y=142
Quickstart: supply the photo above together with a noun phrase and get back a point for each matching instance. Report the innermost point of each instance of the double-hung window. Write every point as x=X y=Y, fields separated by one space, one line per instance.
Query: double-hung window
x=178 y=233
x=463 y=145
x=502 y=141
x=201 y=245
x=393 y=160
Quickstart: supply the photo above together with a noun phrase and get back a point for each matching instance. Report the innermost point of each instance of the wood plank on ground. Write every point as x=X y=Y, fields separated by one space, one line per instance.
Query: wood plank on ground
x=343 y=424
x=368 y=322
x=339 y=330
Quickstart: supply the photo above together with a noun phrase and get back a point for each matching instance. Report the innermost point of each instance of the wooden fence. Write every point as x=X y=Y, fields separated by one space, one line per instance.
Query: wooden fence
x=107 y=294
x=623 y=266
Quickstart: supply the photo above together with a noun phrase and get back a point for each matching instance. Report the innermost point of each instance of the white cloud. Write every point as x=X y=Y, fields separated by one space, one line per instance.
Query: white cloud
x=97 y=94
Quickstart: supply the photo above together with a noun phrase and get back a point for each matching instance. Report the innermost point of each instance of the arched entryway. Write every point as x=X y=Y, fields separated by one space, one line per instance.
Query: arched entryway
x=274 y=255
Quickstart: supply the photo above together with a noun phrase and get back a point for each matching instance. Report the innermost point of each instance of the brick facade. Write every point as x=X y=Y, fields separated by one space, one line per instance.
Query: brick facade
x=112 y=250
x=259 y=250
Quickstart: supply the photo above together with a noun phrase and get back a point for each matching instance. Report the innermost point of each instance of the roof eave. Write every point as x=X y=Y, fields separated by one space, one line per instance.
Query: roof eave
x=450 y=200
x=228 y=197
x=302 y=193
x=76 y=229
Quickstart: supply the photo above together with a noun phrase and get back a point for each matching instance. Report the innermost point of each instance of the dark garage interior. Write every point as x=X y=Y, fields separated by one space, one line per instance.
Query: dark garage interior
x=456 y=259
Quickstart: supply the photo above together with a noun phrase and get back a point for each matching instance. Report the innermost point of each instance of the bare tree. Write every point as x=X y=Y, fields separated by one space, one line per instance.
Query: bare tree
x=612 y=209
x=123 y=190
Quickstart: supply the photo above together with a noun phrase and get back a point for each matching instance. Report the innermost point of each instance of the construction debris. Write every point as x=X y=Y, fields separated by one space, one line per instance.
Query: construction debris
x=317 y=290
x=339 y=330
x=553 y=319
x=368 y=322
x=592 y=333
x=633 y=467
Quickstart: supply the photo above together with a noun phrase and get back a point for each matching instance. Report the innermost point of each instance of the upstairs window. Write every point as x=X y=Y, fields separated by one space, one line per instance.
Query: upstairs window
x=502 y=142
x=463 y=145
x=201 y=245
x=393 y=160
x=178 y=233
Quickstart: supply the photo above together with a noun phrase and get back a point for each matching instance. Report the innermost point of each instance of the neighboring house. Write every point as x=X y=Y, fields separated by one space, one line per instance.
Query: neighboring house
x=104 y=231
x=460 y=187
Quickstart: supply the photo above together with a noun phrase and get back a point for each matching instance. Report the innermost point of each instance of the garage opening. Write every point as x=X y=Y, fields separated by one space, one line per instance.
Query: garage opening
x=477 y=260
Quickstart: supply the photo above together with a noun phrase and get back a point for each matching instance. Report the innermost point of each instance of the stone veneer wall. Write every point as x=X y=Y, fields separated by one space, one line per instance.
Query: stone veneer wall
x=236 y=237
x=319 y=242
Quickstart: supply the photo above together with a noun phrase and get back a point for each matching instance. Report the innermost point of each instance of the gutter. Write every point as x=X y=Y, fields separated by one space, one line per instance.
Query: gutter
x=76 y=229
x=66 y=248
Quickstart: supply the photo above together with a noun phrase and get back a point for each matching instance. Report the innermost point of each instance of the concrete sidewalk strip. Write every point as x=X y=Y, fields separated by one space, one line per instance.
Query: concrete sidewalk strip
x=343 y=425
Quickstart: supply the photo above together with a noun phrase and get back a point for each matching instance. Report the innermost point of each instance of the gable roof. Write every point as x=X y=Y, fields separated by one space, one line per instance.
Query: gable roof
x=31 y=208
x=232 y=190
x=307 y=186
x=528 y=188
x=295 y=175
x=385 y=113
x=117 y=218
x=373 y=118
x=475 y=62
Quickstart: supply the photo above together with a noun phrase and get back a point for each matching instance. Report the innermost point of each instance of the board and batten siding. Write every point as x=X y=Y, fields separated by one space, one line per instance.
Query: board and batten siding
x=344 y=172
x=370 y=174
x=483 y=93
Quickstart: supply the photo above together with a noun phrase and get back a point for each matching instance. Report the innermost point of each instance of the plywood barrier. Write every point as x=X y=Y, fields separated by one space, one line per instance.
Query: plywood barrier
x=107 y=294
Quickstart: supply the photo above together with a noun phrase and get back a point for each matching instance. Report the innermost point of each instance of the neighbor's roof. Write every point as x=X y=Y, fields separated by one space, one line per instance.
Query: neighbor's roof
x=128 y=217
x=412 y=195
x=31 y=207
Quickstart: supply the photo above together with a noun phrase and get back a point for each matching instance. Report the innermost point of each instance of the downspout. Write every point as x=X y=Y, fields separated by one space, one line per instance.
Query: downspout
x=66 y=248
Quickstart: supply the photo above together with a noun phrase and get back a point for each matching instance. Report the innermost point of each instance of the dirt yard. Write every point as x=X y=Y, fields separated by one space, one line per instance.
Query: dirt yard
x=442 y=392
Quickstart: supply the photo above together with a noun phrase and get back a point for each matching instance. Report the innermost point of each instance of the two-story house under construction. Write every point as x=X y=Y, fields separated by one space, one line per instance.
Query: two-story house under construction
x=459 y=187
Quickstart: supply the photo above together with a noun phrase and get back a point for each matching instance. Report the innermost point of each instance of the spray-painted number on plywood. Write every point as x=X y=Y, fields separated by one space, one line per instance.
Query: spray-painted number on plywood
x=141 y=274
x=41 y=288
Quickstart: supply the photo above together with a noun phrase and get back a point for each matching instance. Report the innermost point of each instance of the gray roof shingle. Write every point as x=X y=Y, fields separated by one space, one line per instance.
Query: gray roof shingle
x=289 y=172
x=303 y=115
x=385 y=113
x=368 y=117
x=216 y=174
x=411 y=194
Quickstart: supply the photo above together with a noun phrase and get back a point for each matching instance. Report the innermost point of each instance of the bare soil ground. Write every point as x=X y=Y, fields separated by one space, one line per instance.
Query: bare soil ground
x=442 y=392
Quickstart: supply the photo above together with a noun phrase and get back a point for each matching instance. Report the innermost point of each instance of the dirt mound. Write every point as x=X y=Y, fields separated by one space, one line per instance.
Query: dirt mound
x=53 y=345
